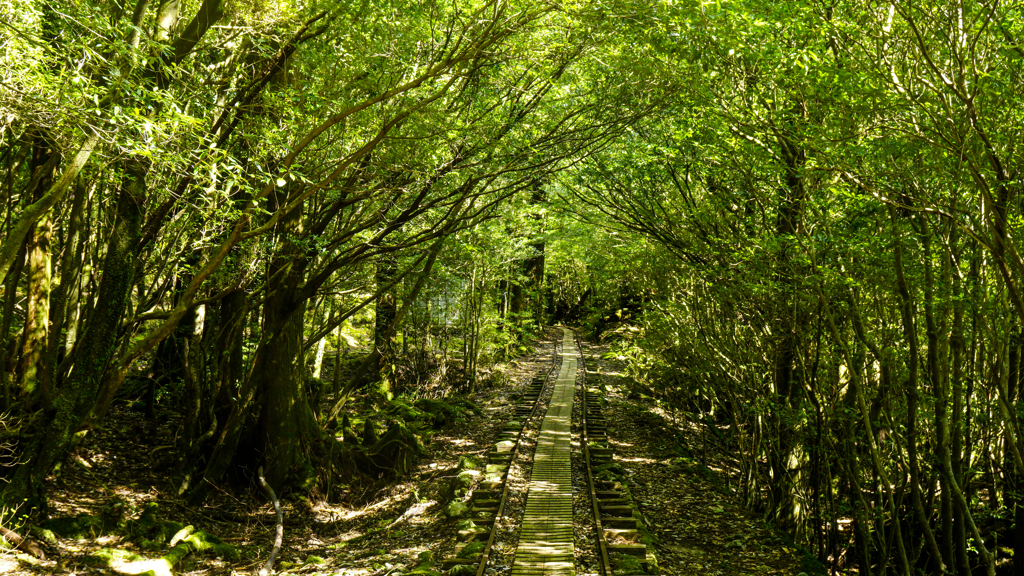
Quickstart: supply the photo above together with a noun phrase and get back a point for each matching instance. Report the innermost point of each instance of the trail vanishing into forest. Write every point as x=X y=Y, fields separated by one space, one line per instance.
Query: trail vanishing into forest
x=276 y=276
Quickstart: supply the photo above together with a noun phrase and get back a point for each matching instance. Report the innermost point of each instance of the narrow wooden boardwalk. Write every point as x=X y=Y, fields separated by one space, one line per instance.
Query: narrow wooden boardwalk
x=546 y=540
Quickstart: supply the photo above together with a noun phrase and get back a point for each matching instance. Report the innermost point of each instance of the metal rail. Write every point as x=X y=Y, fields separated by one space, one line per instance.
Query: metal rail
x=602 y=543
x=614 y=512
x=615 y=515
x=527 y=412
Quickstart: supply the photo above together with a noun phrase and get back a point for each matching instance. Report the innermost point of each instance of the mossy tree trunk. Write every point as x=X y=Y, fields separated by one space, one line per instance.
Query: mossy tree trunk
x=34 y=375
x=384 y=319
x=72 y=403
x=285 y=427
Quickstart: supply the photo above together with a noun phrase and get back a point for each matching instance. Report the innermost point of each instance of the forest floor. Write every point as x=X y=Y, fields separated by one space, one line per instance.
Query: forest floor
x=126 y=466
x=680 y=483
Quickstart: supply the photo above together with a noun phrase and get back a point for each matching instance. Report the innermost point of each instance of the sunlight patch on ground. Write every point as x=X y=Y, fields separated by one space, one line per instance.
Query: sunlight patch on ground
x=351 y=534
x=419 y=509
x=8 y=563
x=637 y=459
x=158 y=567
x=357 y=512
x=415 y=514
x=461 y=442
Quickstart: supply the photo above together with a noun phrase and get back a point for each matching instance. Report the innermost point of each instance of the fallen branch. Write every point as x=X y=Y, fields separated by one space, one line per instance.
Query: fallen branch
x=21 y=543
x=279 y=536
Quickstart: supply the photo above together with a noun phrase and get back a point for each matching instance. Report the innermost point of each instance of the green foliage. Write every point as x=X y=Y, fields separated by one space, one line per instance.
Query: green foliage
x=797 y=223
x=625 y=565
x=446 y=412
x=77 y=527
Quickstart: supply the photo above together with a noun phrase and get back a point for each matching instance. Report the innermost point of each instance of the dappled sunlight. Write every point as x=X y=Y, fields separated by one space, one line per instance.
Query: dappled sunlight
x=637 y=460
x=8 y=563
x=544 y=486
x=460 y=442
x=417 y=514
x=157 y=567
x=355 y=513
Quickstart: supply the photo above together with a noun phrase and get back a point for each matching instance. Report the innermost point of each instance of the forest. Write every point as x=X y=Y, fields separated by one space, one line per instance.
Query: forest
x=278 y=230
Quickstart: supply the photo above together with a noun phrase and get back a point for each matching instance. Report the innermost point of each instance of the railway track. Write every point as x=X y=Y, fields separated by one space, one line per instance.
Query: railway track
x=621 y=534
x=489 y=501
x=546 y=545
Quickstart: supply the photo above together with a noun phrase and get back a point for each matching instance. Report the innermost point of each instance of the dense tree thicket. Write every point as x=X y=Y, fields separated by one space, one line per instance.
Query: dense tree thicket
x=827 y=216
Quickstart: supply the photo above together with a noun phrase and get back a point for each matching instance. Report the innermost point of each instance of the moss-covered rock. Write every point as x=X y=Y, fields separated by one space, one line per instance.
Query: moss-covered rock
x=149 y=531
x=625 y=565
x=456 y=509
x=43 y=535
x=466 y=404
x=469 y=527
x=449 y=411
x=396 y=451
x=399 y=408
x=472 y=549
x=78 y=527
x=460 y=484
x=112 y=555
x=190 y=540
x=126 y=562
x=468 y=462
x=426 y=565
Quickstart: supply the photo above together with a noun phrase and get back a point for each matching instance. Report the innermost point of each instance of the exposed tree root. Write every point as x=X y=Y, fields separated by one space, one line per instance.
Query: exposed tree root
x=279 y=532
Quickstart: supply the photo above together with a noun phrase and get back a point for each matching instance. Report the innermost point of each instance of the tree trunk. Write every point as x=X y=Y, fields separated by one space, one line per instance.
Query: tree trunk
x=384 y=319
x=285 y=425
x=910 y=333
x=958 y=351
x=35 y=381
x=63 y=300
x=534 y=269
x=786 y=453
x=7 y=358
x=286 y=422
